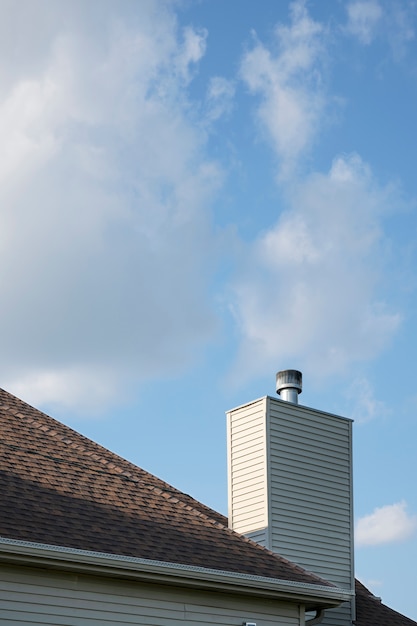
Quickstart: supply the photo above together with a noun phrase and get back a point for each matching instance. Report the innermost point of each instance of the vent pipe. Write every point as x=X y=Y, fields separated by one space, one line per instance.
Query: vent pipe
x=289 y=384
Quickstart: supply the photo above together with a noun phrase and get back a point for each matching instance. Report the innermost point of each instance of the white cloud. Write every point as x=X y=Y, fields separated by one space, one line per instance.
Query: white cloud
x=191 y=51
x=390 y=21
x=311 y=290
x=88 y=387
x=220 y=96
x=400 y=27
x=105 y=235
x=364 y=406
x=364 y=16
x=387 y=524
x=290 y=86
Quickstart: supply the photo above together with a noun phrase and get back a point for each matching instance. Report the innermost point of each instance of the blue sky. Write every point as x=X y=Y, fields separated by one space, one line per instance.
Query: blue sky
x=195 y=195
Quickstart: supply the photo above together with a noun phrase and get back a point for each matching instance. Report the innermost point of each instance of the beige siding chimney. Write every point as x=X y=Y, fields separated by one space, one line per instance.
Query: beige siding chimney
x=290 y=488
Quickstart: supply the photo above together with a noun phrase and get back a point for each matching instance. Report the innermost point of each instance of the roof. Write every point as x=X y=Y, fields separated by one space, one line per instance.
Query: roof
x=371 y=612
x=60 y=488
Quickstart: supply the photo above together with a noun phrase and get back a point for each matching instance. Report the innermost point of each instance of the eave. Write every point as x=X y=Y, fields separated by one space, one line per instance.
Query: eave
x=30 y=554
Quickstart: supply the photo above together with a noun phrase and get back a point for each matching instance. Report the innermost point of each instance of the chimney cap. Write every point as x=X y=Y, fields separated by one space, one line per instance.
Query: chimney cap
x=289 y=383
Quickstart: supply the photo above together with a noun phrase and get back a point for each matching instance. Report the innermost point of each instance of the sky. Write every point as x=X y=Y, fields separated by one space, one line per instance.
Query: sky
x=196 y=194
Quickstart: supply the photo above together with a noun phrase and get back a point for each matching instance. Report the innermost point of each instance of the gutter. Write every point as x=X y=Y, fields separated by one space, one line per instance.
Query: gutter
x=17 y=552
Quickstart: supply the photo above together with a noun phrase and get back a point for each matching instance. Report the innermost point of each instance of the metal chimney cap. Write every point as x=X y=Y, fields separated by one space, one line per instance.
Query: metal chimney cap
x=291 y=380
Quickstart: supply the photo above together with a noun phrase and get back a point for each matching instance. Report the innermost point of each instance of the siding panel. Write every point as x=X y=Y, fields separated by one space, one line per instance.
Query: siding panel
x=303 y=507
x=247 y=467
x=30 y=596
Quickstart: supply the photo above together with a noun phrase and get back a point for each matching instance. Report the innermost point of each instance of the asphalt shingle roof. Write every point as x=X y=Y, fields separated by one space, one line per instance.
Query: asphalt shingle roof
x=371 y=612
x=58 y=487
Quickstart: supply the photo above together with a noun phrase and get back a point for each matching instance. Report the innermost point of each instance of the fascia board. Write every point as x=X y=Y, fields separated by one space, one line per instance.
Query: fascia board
x=102 y=564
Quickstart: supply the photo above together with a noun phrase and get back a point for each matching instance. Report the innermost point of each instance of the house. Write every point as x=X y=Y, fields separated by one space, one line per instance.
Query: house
x=88 y=538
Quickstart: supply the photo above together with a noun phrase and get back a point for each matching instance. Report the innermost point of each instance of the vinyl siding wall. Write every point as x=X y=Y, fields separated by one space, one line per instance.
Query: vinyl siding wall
x=300 y=503
x=311 y=490
x=35 y=596
x=247 y=470
x=310 y=469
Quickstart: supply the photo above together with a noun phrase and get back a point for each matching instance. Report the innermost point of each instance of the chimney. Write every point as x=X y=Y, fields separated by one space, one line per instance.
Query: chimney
x=290 y=484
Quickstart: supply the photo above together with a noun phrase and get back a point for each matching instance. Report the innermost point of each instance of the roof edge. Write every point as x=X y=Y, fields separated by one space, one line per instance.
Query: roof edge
x=16 y=551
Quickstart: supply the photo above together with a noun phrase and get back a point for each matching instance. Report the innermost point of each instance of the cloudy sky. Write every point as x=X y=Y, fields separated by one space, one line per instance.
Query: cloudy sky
x=195 y=194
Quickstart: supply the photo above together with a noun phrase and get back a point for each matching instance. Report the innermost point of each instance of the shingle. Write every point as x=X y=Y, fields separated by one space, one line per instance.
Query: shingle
x=60 y=488
x=371 y=612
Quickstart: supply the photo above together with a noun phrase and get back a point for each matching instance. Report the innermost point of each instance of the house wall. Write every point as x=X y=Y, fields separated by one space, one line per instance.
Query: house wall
x=36 y=596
